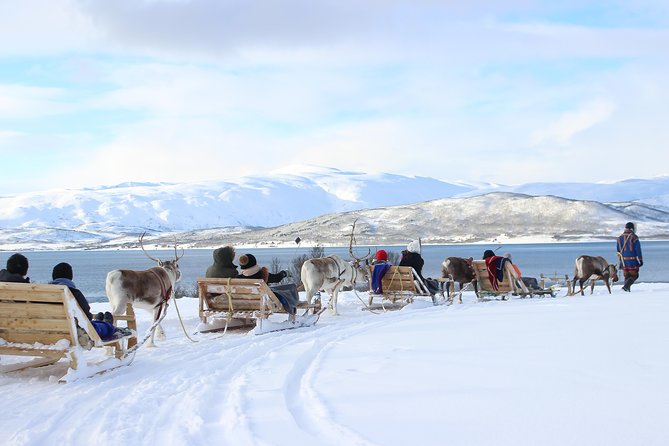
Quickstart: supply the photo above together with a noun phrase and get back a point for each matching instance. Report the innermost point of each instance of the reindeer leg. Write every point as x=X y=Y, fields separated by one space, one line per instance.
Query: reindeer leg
x=156 y=315
x=592 y=286
x=333 y=300
x=581 y=282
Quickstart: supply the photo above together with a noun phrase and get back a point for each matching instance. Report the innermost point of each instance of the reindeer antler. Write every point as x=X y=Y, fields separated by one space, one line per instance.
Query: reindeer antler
x=141 y=245
x=177 y=257
x=350 y=245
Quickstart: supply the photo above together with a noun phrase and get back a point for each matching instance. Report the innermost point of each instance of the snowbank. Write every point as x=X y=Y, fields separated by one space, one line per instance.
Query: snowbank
x=551 y=371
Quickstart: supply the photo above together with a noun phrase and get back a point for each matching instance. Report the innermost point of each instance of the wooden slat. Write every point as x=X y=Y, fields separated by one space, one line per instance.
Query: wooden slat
x=47 y=338
x=36 y=310
x=223 y=305
x=31 y=292
x=37 y=362
x=20 y=351
x=234 y=289
x=30 y=324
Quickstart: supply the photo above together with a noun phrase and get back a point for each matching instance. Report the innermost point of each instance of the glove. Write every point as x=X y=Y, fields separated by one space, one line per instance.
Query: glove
x=640 y=263
x=283 y=274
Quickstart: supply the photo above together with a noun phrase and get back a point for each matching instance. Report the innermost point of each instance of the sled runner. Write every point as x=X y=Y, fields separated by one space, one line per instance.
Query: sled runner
x=399 y=286
x=46 y=322
x=230 y=303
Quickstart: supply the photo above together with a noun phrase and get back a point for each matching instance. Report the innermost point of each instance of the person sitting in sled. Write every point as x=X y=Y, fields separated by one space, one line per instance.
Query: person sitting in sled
x=287 y=294
x=411 y=257
x=381 y=266
x=223 y=266
x=17 y=269
x=103 y=323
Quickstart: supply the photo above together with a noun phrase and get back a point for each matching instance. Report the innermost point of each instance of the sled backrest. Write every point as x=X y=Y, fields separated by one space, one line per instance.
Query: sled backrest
x=236 y=295
x=32 y=313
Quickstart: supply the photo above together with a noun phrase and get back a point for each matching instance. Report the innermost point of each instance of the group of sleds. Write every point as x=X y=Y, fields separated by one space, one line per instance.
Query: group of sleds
x=45 y=321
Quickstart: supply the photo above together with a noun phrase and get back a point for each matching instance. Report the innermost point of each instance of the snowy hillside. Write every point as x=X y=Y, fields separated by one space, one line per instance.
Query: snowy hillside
x=316 y=204
x=495 y=217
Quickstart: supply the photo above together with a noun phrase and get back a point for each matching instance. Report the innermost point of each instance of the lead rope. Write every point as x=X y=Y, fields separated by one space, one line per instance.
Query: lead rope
x=182 y=322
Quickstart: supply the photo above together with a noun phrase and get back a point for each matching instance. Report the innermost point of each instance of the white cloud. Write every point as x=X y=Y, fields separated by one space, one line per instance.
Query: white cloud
x=573 y=122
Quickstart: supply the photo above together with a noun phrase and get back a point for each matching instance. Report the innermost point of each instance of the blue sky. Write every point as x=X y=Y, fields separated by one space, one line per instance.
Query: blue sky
x=98 y=93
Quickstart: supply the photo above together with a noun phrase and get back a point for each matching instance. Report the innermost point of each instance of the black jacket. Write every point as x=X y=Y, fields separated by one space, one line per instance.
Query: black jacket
x=6 y=276
x=413 y=260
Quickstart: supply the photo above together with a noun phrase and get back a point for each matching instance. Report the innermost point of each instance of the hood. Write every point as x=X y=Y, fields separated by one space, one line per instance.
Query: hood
x=224 y=255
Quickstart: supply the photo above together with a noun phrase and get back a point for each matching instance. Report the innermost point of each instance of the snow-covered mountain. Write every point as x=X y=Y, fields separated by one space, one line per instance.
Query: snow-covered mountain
x=495 y=217
x=319 y=205
x=277 y=199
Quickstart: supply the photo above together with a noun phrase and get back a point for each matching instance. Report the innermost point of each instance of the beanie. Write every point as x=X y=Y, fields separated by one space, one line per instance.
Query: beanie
x=247 y=261
x=381 y=255
x=414 y=246
x=488 y=253
x=62 y=271
x=630 y=225
x=17 y=264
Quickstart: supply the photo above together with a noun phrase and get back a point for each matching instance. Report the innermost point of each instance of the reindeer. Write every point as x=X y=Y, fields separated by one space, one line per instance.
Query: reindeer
x=148 y=289
x=332 y=272
x=593 y=268
x=458 y=270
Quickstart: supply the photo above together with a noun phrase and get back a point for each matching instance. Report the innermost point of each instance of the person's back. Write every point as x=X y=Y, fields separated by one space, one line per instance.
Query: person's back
x=223 y=266
x=62 y=274
x=629 y=251
x=16 y=271
x=411 y=257
x=381 y=266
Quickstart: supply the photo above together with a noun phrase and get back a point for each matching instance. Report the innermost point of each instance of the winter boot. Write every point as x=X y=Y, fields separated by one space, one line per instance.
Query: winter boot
x=108 y=318
x=628 y=284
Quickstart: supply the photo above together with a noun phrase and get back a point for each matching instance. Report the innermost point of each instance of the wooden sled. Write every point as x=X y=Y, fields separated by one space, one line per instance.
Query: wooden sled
x=400 y=285
x=511 y=285
x=46 y=322
x=247 y=303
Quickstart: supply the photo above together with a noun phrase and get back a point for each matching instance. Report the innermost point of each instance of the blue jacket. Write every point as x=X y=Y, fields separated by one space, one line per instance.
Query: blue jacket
x=629 y=249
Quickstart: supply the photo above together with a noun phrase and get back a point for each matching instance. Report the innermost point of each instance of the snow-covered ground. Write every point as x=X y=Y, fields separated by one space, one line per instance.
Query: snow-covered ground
x=589 y=370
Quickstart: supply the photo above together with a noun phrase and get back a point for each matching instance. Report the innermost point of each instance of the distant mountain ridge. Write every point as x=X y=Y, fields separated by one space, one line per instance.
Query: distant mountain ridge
x=320 y=202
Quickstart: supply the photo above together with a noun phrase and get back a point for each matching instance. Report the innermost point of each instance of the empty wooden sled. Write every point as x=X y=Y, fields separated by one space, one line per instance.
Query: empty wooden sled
x=400 y=285
x=247 y=303
x=46 y=322
x=511 y=285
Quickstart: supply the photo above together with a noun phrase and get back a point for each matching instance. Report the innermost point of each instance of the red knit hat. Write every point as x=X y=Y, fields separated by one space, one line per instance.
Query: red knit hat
x=381 y=255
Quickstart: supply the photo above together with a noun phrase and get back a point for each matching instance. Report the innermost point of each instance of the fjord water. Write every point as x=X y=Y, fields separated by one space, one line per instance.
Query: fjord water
x=91 y=267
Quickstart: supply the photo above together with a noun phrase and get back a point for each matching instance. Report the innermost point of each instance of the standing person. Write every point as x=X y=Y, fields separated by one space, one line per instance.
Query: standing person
x=411 y=257
x=223 y=266
x=629 y=252
x=17 y=269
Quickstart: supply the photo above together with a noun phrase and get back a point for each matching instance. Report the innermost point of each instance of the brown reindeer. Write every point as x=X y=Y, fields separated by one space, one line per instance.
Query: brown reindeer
x=458 y=270
x=594 y=268
x=147 y=289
